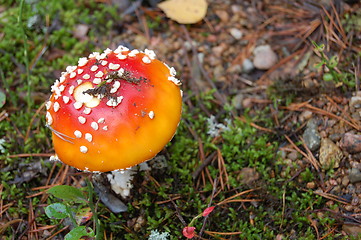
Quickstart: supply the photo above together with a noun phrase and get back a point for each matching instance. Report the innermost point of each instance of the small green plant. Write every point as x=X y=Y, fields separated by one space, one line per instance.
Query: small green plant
x=329 y=67
x=72 y=208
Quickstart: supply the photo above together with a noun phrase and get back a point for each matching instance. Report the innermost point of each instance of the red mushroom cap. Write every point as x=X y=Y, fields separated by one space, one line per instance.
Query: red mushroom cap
x=114 y=110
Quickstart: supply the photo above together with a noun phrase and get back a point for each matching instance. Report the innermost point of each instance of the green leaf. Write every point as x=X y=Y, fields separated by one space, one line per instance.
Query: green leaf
x=333 y=62
x=79 y=232
x=2 y=99
x=67 y=193
x=56 y=210
x=83 y=215
x=327 y=77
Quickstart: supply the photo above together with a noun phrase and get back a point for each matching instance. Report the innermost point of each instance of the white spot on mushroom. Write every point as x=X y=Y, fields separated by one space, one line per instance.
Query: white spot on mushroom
x=94 y=55
x=77 y=134
x=87 y=110
x=78 y=105
x=48 y=105
x=70 y=69
x=83 y=149
x=121 y=72
x=121 y=49
x=88 y=137
x=101 y=120
x=49 y=118
x=150 y=53
x=172 y=71
x=72 y=75
x=56 y=106
x=62 y=79
x=104 y=62
x=151 y=114
x=115 y=87
x=133 y=53
x=71 y=90
x=146 y=59
x=80 y=71
x=121 y=56
x=82 y=119
x=86 y=76
x=82 y=61
x=113 y=66
x=175 y=80
x=94 y=68
x=107 y=51
x=101 y=56
x=97 y=81
x=94 y=125
x=79 y=81
x=105 y=128
x=114 y=102
x=61 y=88
x=99 y=74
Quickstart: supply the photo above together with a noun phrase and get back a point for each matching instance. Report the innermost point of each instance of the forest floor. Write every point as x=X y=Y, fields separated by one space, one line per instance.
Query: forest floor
x=269 y=133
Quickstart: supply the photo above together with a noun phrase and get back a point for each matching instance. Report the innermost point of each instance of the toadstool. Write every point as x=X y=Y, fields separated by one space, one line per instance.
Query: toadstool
x=113 y=110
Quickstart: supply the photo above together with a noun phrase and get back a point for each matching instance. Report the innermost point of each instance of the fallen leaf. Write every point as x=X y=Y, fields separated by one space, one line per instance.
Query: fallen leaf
x=185 y=11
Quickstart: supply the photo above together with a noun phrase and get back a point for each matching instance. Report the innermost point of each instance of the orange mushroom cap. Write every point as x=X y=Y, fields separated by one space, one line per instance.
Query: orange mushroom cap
x=114 y=110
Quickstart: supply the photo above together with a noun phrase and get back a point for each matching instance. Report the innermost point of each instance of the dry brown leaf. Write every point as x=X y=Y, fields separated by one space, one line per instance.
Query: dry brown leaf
x=185 y=11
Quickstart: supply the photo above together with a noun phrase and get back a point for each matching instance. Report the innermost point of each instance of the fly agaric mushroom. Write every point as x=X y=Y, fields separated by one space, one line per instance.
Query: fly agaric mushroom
x=113 y=110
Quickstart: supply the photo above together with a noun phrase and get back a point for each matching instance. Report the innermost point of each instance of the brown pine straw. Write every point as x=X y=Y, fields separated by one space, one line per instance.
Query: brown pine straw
x=301 y=106
x=232 y=198
x=213 y=234
x=331 y=197
x=309 y=156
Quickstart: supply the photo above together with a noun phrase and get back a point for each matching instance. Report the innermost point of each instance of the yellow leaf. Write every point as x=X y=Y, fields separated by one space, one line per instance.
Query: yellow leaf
x=185 y=11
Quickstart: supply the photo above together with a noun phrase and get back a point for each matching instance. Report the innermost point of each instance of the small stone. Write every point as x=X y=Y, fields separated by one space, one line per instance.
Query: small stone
x=236 y=33
x=312 y=136
x=351 y=143
x=247 y=66
x=354 y=175
x=237 y=101
x=330 y=154
x=305 y=115
x=223 y=15
x=355 y=102
x=345 y=181
x=264 y=57
x=311 y=185
x=293 y=155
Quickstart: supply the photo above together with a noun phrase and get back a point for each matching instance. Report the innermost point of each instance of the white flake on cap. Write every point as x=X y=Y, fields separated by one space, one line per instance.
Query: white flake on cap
x=104 y=62
x=82 y=61
x=94 y=68
x=105 y=128
x=88 y=137
x=146 y=60
x=80 y=71
x=115 y=87
x=150 y=53
x=61 y=88
x=97 y=80
x=72 y=75
x=114 y=102
x=77 y=134
x=121 y=49
x=172 y=71
x=121 y=56
x=62 y=79
x=113 y=66
x=56 y=106
x=99 y=74
x=79 y=81
x=49 y=118
x=71 y=90
x=87 y=110
x=133 y=53
x=94 y=55
x=101 y=120
x=151 y=114
x=78 y=105
x=175 y=80
x=107 y=51
x=94 y=125
x=101 y=56
x=70 y=69
x=48 y=105
x=83 y=149
x=86 y=76
x=82 y=119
